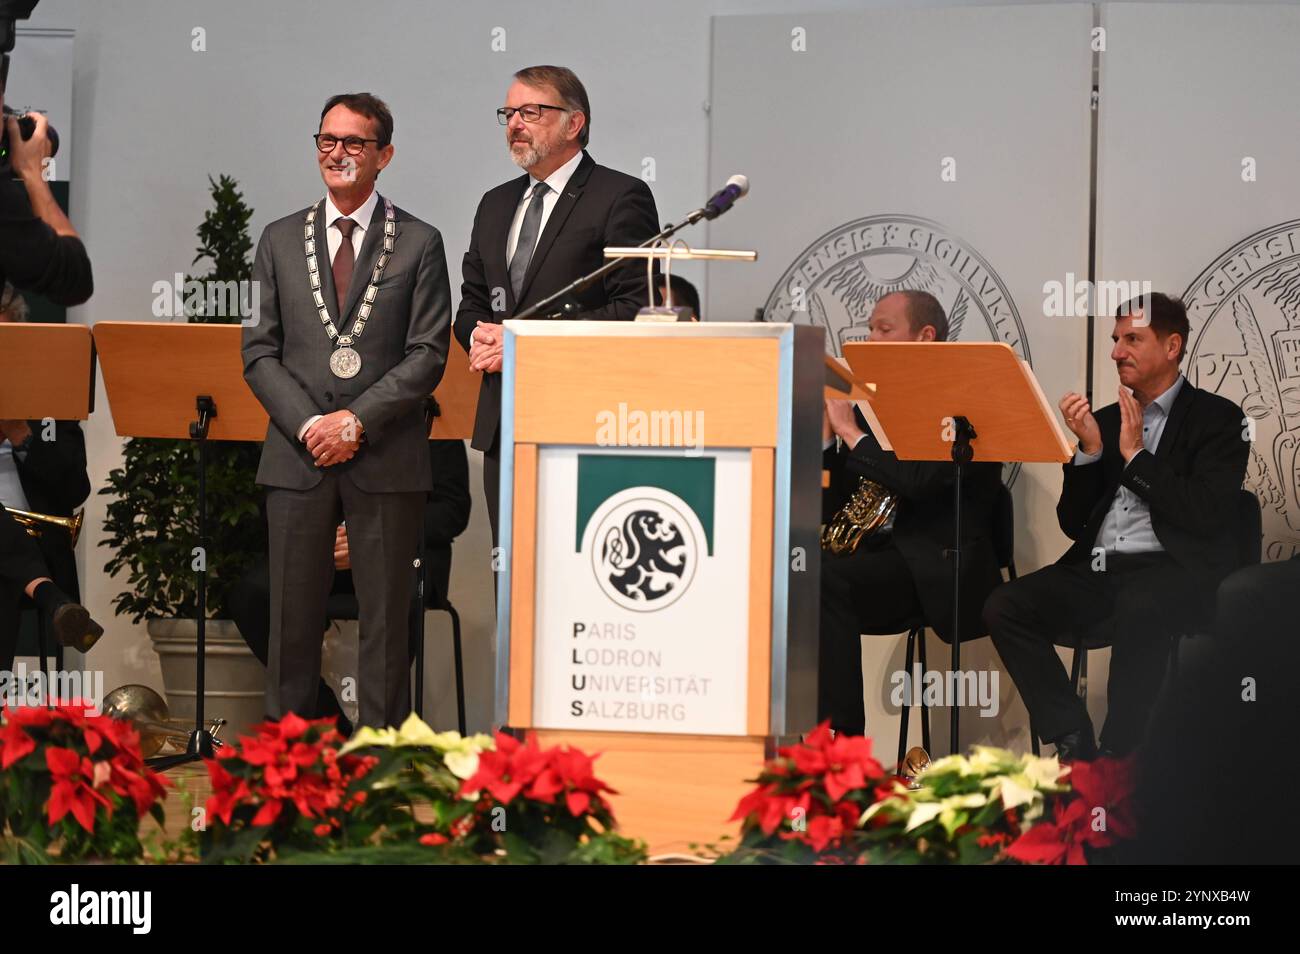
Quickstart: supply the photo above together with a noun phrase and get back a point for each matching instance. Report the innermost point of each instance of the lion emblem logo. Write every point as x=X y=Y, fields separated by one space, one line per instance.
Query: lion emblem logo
x=644 y=552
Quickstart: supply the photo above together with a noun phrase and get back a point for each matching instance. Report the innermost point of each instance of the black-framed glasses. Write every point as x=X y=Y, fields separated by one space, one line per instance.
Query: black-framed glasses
x=529 y=112
x=352 y=145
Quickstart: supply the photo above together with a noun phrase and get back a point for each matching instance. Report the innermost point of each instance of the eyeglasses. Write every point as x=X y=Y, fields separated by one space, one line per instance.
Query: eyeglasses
x=352 y=145
x=529 y=112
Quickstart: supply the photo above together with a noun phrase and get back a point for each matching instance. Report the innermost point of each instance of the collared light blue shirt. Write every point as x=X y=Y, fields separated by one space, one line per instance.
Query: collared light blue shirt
x=1127 y=527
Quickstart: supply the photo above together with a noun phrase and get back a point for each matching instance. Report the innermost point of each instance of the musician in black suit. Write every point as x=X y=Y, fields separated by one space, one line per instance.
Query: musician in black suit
x=1149 y=501
x=446 y=515
x=42 y=470
x=537 y=233
x=902 y=571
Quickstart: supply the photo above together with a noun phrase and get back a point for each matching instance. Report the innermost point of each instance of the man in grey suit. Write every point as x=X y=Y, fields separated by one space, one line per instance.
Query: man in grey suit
x=355 y=314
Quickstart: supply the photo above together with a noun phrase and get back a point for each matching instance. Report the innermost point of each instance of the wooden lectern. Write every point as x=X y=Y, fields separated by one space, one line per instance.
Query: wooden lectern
x=660 y=500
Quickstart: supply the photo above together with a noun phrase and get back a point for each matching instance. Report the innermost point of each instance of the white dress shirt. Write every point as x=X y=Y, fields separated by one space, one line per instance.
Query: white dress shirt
x=334 y=239
x=558 y=181
x=361 y=216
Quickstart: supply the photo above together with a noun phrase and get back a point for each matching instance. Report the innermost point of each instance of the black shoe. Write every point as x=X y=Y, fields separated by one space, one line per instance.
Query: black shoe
x=74 y=628
x=1076 y=746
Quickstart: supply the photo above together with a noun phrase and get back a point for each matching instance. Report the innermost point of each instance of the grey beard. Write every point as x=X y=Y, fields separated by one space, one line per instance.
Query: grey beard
x=531 y=156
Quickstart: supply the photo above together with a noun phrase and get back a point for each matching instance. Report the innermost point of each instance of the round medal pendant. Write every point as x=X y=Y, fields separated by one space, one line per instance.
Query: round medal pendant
x=345 y=363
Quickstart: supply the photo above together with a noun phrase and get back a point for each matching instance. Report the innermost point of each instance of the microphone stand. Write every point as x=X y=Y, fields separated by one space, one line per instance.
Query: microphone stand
x=553 y=307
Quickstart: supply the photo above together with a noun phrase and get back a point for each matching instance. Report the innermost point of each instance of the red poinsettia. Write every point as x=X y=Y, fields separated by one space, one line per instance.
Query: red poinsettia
x=292 y=762
x=73 y=789
x=814 y=791
x=86 y=758
x=542 y=775
x=1096 y=813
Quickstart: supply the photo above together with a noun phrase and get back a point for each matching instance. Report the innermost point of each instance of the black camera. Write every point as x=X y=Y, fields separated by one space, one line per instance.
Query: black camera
x=26 y=127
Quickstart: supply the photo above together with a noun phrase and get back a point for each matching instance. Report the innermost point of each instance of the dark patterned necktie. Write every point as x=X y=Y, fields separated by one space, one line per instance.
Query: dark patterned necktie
x=532 y=225
x=344 y=260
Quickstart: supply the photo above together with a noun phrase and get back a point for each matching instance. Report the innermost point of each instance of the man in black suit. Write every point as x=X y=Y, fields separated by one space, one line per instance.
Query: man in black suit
x=902 y=571
x=537 y=233
x=1149 y=501
x=446 y=515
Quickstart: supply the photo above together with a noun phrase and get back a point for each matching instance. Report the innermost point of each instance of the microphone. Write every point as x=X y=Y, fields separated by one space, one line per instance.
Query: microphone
x=722 y=200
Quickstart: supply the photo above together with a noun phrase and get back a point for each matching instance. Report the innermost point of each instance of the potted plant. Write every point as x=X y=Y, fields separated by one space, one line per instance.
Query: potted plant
x=152 y=524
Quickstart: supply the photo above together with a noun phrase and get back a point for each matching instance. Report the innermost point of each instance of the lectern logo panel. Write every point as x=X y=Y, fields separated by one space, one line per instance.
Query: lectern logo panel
x=645 y=551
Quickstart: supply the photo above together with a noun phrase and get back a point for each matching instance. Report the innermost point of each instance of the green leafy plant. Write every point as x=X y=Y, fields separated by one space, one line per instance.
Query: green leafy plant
x=152 y=523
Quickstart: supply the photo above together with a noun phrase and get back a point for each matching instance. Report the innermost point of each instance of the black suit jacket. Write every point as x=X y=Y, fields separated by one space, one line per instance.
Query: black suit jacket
x=923 y=525
x=599 y=207
x=1190 y=483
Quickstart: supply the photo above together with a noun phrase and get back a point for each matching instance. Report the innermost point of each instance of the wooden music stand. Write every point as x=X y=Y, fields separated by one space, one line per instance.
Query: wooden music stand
x=186 y=382
x=456 y=397
x=932 y=398
x=49 y=373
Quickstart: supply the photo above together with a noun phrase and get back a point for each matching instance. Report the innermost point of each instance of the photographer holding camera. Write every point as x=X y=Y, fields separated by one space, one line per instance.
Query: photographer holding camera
x=40 y=251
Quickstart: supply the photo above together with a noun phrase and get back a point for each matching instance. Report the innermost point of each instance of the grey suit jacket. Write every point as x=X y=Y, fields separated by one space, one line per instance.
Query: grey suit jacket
x=403 y=352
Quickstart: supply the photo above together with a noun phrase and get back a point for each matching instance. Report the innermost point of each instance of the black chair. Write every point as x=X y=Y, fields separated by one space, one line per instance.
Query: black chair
x=1249 y=534
x=1004 y=545
x=343 y=606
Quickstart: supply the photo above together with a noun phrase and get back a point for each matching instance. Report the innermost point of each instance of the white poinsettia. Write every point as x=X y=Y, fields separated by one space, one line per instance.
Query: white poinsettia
x=417 y=734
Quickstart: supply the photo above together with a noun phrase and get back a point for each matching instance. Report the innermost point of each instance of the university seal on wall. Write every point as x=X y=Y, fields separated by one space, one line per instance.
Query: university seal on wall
x=1244 y=311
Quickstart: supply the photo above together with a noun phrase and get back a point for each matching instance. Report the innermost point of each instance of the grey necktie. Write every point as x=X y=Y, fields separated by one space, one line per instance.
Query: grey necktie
x=532 y=225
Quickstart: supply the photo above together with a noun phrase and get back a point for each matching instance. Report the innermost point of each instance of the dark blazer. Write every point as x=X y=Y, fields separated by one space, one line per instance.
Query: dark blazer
x=1190 y=483
x=403 y=350
x=923 y=525
x=599 y=207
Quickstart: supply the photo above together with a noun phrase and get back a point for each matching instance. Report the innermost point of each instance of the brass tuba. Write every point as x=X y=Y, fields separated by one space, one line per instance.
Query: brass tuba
x=867 y=510
x=32 y=522
x=147 y=710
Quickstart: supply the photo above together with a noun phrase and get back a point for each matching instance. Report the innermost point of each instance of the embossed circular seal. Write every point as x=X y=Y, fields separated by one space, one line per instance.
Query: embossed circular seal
x=1244 y=311
x=836 y=281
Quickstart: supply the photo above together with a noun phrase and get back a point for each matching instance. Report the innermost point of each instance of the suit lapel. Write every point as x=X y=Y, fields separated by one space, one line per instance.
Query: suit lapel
x=563 y=206
x=1177 y=414
x=370 y=248
x=327 y=290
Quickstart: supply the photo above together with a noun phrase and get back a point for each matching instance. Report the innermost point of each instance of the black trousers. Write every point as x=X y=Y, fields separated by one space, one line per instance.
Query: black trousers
x=1147 y=597
x=20 y=563
x=868 y=591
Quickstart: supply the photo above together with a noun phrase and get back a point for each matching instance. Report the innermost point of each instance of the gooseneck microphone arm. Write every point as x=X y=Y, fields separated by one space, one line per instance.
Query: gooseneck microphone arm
x=561 y=305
